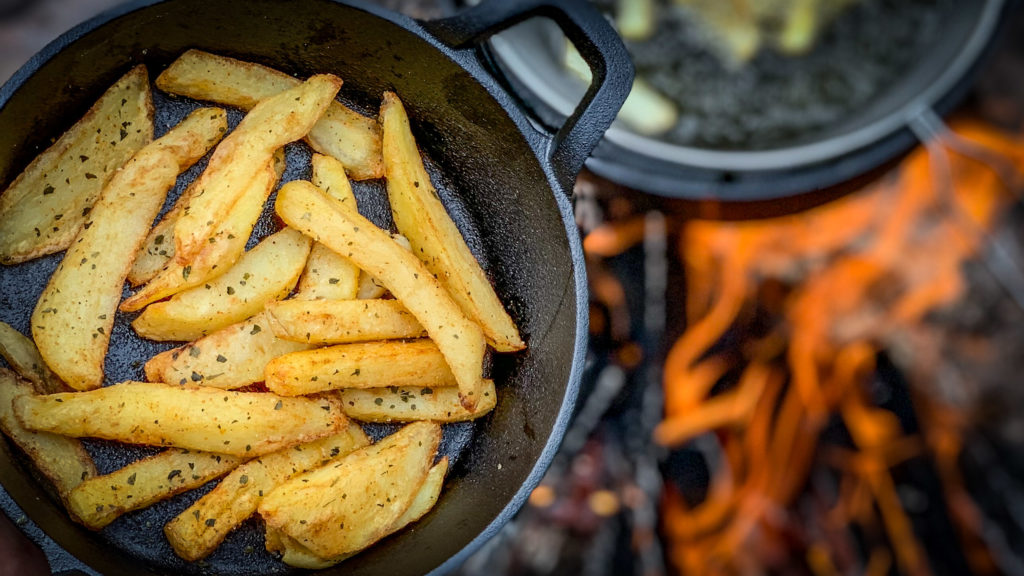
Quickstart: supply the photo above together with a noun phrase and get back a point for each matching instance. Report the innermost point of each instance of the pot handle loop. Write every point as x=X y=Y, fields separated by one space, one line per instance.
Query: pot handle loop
x=596 y=41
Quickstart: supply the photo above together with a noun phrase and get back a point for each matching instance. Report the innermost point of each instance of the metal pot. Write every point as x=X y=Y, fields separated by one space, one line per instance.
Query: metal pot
x=512 y=183
x=888 y=126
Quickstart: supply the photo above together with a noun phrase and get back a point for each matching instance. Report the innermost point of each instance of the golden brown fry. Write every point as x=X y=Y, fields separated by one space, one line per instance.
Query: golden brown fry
x=46 y=206
x=20 y=352
x=221 y=253
x=271 y=124
x=409 y=403
x=304 y=207
x=435 y=239
x=297 y=555
x=229 y=358
x=341 y=321
x=344 y=507
x=245 y=424
x=158 y=247
x=74 y=315
x=203 y=526
x=342 y=133
x=328 y=275
x=63 y=461
x=100 y=500
x=364 y=365
x=267 y=272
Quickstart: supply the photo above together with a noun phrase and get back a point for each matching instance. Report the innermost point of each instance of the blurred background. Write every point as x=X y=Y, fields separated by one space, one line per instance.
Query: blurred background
x=816 y=388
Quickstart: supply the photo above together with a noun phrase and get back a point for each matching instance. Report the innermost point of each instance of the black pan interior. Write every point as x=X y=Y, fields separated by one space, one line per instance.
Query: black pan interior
x=488 y=176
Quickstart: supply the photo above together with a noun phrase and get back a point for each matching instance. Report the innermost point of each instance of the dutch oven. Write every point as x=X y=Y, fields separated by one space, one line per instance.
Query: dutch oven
x=886 y=126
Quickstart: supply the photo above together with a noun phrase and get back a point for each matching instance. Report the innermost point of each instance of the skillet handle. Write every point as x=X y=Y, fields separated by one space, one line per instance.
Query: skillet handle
x=596 y=41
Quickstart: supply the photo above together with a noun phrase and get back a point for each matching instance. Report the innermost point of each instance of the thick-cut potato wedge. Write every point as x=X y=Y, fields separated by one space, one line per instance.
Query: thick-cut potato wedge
x=158 y=248
x=100 y=500
x=45 y=207
x=229 y=358
x=342 y=133
x=297 y=555
x=63 y=461
x=427 y=496
x=363 y=365
x=218 y=256
x=329 y=275
x=246 y=424
x=20 y=352
x=267 y=272
x=435 y=239
x=341 y=321
x=345 y=231
x=203 y=526
x=270 y=125
x=409 y=403
x=73 y=316
x=344 y=507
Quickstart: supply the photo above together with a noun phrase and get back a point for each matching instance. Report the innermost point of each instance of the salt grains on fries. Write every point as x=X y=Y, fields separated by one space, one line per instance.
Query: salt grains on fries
x=337 y=317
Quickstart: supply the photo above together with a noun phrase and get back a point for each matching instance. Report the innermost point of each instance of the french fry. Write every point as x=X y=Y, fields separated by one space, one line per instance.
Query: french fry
x=158 y=249
x=102 y=499
x=203 y=526
x=329 y=275
x=221 y=253
x=74 y=315
x=365 y=365
x=342 y=133
x=46 y=206
x=20 y=352
x=229 y=358
x=341 y=321
x=271 y=124
x=343 y=507
x=410 y=403
x=304 y=207
x=63 y=461
x=369 y=287
x=246 y=424
x=297 y=555
x=267 y=272
x=435 y=239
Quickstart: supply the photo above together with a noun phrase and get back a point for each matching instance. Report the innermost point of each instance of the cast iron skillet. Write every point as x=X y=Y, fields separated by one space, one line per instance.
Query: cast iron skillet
x=506 y=182
x=885 y=128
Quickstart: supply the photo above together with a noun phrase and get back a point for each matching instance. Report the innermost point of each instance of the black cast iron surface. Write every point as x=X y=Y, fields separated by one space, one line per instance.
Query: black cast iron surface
x=493 y=173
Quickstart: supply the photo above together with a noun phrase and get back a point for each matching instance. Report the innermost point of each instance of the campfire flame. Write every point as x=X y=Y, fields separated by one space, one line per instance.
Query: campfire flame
x=785 y=320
